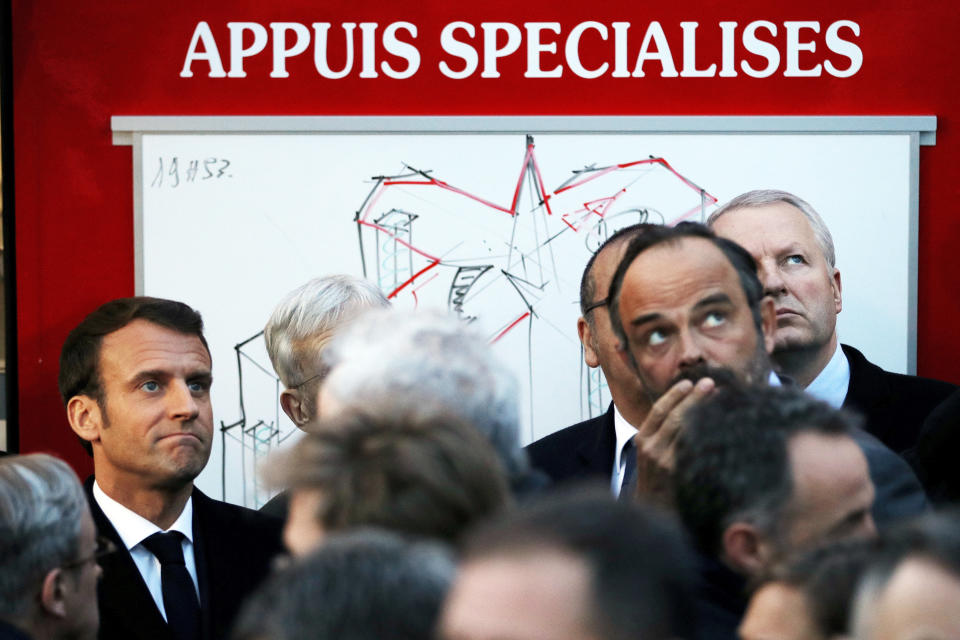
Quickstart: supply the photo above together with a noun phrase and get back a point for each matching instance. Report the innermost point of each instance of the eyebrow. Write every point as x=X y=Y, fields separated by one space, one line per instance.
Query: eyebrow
x=716 y=298
x=161 y=374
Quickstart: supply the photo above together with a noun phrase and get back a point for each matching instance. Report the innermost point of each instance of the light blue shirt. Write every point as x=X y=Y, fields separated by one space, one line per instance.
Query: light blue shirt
x=832 y=383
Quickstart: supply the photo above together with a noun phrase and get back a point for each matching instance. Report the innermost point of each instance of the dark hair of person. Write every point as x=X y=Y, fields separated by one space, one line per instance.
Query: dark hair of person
x=732 y=460
x=642 y=576
x=428 y=476
x=741 y=260
x=827 y=576
x=80 y=355
x=588 y=284
x=934 y=538
x=364 y=585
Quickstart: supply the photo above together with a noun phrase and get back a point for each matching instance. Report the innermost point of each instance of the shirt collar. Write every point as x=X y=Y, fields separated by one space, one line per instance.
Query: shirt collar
x=832 y=383
x=134 y=528
x=624 y=431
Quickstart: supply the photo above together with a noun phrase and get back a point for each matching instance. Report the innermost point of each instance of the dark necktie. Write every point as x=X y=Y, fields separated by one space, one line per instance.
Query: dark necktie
x=629 y=457
x=179 y=594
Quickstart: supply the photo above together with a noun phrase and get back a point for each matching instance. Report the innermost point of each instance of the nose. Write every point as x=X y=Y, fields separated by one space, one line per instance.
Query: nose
x=182 y=403
x=691 y=352
x=771 y=278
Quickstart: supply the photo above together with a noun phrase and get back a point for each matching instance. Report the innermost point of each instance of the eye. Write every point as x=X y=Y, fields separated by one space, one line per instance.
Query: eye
x=656 y=337
x=714 y=319
x=795 y=259
x=198 y=386
x=150 y=386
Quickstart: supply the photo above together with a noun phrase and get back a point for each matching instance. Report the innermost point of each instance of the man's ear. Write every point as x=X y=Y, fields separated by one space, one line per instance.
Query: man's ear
x=52 y=599
x=743 y=548
x=768 y=322
x=587 y=340
x=85 y=417
x=837 y=289
x=293 y=406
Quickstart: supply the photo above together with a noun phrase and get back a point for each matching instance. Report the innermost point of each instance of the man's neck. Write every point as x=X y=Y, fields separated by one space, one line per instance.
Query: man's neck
x=804 y=365
x=161 y=506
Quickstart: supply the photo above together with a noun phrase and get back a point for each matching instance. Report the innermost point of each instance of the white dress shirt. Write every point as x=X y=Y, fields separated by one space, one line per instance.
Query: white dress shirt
x=832 y=383
x=624 y=431
x=134 y=529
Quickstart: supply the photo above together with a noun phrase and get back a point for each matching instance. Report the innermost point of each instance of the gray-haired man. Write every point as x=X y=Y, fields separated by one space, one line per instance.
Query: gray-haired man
x=48 y=552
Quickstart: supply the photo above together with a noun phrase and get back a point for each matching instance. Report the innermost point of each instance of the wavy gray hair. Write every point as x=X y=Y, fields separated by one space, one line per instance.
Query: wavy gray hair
x=41 y=510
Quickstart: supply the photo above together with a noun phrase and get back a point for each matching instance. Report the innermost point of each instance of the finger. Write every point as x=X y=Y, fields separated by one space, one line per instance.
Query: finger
x=673 y=425
x=663 y=406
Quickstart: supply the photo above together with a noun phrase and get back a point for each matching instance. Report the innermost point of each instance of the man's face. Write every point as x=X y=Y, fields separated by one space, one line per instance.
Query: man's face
x=778 y=611
x=832 y=491
x=303 y=531
x=793 y=270
x=597 y=336
x=156 y=426
x=535 y=596
x=920 y=601
x=82 y=616
x=682 y=307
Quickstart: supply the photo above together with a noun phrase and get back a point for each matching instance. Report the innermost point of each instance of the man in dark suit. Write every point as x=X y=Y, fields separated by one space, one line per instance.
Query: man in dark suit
x=593 y=448
x=797 y=266
x=660 y=395
x=135 y=377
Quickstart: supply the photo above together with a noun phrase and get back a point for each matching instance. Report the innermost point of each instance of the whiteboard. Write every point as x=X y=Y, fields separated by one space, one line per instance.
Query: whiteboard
x=242 y=218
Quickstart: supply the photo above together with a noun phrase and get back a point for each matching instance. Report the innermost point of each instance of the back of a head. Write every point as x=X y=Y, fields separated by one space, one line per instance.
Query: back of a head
x=431 y=477
x=41 y=506
x=640 y=571
x=426 y=363
x=827 y=576
x=305 y=320
x=732 y=459
x=918 y=606
x=366 y=585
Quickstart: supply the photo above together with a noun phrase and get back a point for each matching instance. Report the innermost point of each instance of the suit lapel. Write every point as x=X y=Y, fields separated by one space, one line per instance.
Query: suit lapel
x=127 y=609
x=597 y=453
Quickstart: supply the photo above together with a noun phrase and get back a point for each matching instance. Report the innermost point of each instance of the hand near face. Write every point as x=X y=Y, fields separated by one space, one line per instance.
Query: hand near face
x=657 y=437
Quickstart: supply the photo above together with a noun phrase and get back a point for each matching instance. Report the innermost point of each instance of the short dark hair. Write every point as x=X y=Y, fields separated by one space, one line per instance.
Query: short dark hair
x=935 y=538
x=80 y=355
x=732 y=460
x=641 y=570
x=365 y=585
x=429 y=476
x=588 y=284
x=739 y=258
x=827 y=576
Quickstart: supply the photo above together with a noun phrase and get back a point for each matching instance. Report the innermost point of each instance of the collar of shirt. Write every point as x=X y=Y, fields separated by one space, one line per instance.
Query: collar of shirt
x=832 y=383
x=134 y=528
x=624 y=431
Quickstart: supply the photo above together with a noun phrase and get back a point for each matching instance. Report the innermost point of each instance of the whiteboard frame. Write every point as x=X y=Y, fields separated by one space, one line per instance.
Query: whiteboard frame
x=129 y=131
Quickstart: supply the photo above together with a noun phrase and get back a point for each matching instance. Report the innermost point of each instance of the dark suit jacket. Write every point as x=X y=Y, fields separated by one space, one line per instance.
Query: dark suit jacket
x=935 y=456
x=586 y=451
x=233 y=548
x=582 y=452
x=894 y=405
x=9 y=632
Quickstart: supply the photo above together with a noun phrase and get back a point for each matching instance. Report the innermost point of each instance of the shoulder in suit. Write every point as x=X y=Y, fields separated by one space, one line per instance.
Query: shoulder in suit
x=894 y=405
x=899 y=496
x=233 y=548
x=579 y=452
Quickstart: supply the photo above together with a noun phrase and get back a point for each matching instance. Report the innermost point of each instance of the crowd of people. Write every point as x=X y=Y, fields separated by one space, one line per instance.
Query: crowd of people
x=753 y=477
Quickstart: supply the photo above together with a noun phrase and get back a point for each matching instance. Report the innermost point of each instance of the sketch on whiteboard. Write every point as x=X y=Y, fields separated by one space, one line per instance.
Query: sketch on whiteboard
x=510 y=262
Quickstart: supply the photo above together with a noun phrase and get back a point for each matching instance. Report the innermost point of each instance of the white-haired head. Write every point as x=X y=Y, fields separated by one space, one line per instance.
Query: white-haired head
x=416 y=363
x=301 y=326
x=761 y=197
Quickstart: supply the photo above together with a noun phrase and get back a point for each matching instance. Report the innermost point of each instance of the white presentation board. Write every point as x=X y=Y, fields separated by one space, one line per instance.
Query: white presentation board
x=494 y=226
